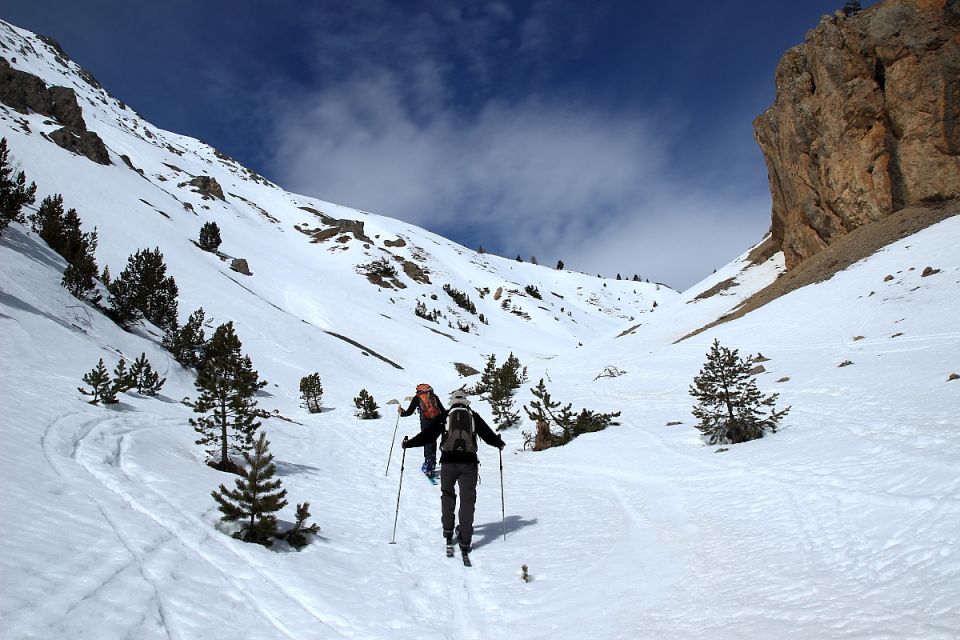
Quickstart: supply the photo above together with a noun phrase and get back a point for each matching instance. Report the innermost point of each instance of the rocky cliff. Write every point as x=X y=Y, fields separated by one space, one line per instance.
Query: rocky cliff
x=866 y=121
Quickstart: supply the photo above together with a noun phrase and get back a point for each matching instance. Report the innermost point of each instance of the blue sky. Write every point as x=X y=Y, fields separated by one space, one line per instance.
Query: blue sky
x=614 y=135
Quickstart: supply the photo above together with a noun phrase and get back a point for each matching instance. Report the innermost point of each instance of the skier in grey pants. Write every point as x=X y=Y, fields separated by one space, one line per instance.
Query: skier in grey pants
x=459 y=466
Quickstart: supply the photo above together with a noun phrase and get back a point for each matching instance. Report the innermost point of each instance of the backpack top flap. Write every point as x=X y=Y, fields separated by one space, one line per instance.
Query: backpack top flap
x=459 y=435
x=428 y=403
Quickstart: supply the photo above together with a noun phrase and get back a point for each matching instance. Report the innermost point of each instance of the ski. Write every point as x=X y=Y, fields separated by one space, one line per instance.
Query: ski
x=432 y=477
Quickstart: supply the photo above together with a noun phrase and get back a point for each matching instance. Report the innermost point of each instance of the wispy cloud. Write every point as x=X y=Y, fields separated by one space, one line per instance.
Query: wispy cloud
x=535 y=174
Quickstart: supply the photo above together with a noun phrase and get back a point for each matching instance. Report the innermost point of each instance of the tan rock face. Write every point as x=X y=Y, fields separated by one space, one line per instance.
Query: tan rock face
x=866 y=121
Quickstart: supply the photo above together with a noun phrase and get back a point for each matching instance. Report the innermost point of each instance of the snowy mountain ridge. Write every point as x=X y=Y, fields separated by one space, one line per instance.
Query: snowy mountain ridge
x=841 y=525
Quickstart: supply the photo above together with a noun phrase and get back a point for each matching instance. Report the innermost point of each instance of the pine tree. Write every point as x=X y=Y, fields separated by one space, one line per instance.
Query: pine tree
x=144 y=378
x=47 y=220
x=540 y=410
x=210 y=237
x=545 y=411
x=256 y=496
x=79 y=279
x=730 y=407
x=499 y=385
x=511 y=374
x=311 y=392
x=487 y=377
x=559 y=265
x=122 y=380
x=851 y=7
x=367 y=408
x=101 y=388
x=14 y=192
x=63 y=233
x=187 y=343
x=503 y=409
x=143 y=290
x=227 y=383
x=297 y=536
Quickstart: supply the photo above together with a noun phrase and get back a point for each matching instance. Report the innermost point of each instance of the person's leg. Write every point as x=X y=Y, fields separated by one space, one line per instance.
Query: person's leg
x=448 y=497
x=429 y=452
x=467 y=480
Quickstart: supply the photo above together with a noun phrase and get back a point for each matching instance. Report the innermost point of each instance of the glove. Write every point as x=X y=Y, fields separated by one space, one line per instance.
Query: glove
x=404 y=443
x=502 y=444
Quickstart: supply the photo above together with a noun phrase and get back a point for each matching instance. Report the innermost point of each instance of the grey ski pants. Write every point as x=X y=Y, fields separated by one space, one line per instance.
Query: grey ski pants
x=464 y=475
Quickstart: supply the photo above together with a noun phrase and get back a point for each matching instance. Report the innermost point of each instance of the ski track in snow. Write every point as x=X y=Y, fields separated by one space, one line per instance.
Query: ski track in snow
x=103 y=461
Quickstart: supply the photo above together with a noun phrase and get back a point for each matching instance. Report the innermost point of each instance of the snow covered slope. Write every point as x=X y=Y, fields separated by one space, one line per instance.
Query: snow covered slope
x=842 y=525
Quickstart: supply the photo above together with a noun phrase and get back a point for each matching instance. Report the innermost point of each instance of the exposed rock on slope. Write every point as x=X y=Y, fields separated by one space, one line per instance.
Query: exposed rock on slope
x=866 y=122
x=860 y=243
x=26 y=92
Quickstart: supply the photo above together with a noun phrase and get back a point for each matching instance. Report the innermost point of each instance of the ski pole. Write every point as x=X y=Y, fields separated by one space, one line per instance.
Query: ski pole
x=503 y=508
x=392 y=440
x=397 y=516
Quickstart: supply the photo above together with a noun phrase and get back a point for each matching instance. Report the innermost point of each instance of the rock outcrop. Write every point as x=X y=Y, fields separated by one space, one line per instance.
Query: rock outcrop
x=208 y=187
x=25 y=92
x=82 y=142
x=866 y=122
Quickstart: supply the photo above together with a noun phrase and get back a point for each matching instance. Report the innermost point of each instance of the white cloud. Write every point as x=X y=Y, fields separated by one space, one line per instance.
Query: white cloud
x=534 y=175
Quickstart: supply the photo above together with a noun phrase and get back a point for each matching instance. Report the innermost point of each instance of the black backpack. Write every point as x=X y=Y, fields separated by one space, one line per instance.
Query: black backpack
x=459 y=435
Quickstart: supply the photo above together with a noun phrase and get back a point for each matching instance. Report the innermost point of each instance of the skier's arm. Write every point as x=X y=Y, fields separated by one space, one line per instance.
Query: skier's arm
x=431 y=433
x=413 y=407
x=485 y=432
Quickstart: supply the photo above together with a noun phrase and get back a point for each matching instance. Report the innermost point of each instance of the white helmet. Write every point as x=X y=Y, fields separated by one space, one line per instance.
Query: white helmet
x=458 y=397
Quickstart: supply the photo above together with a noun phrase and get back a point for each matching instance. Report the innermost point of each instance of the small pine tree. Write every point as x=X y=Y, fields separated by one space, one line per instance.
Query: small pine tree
x=256 y=496
x=545 y=411
x=297 y=536
x=47 y=220
x=187 y=343
x=511 y=374
x=519 y=259
x=488 y=376
x=145 y=379
x=559 y=265
x=227 y=383
x=730 y=407
x=311 y=392
x=122 y=380
x=503 y=408
x=210 y=237
x=851 y=7
x=504 y=382
x=367 y=408
x=101 y=388
x=105 y=276
x=14 y=192
x=143 y=290
x=79 y=278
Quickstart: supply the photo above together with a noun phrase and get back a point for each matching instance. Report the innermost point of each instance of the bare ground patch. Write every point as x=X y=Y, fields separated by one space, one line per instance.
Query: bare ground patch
x=847 y=250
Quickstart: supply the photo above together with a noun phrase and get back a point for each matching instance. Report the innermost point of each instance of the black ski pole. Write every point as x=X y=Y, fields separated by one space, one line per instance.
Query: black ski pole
x=400 y=488
x=392 y=440
x=503 y=508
